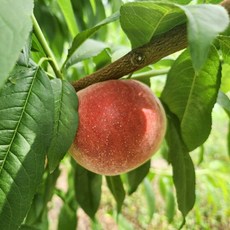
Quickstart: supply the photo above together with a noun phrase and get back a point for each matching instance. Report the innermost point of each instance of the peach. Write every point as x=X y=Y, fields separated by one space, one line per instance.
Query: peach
x=121 y=125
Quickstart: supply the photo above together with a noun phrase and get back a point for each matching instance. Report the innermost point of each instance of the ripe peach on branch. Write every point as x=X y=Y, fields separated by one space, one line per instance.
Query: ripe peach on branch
x=121 y=125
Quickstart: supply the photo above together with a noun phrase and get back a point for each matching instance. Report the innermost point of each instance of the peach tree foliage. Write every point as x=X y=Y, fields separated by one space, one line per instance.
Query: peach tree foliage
x=38 y=104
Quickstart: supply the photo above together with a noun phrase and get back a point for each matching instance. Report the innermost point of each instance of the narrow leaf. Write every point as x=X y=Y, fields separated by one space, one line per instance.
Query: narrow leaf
x=225 y=79
x=163 y=184
x=225 y=47
x=88 y=190
x=136 y=176
x=191 y=96
x=228 y=138
x=170 y=206
x=26 y=123
x=224 y=101
x=37 y=215
x=66 y=121
x=90 y=48
x=68 y=13
x=125 y=224
x=67 y=218
x=183 y=169
x=141 y=21
x=15 y=29
x=116 y=187
x=81 y=37
x=68 y=214
x=205 y=22
x=150 y=198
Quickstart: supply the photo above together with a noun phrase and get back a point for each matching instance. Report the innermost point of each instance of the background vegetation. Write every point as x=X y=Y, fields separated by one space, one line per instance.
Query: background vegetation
x=81 y=37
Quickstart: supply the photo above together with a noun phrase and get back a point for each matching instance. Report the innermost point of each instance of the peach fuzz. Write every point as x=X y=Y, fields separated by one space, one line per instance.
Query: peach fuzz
x=121 y=125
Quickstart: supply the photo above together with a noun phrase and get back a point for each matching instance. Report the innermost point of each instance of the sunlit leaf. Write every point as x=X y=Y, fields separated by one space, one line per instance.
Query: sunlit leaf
x=90 y=48
x=225 y=78
x=26 y=124
x=142 y=21
x=163 y=186
x=66 y=121
x=116 y=187
x=181 y=1
x=228 y=138
x=15 y=29
x=53 y=26
x=191 y=96
x=150 y=198
x=225 y=47
x=67 y=10
x=81 y=37
x=205 y=22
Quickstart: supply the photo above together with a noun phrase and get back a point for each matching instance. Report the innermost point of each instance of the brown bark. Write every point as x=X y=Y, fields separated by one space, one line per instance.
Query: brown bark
x=161 y=46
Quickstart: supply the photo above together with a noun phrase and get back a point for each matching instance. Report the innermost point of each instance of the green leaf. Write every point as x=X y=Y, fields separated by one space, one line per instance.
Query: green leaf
x=181 y=1
x=24 y=58
x=68 y=13
x=83 y=36
x=136 y=176
x=228 y=138
x=125 y=224
x=53 y=26
x=68 y=214
x=191 y=96
x=163 y=184
x=26 y=123
x=88 y=190
x=38 y=213
x=205 y=22
x=27 y=227
x=141 y=21
x=225 y=79
x=150 y=197
x=183 y=169
x=201 y=155
x=15 y=29
x=102 y=59
x=225 y=47
x=67 y=218
x=90 y=48
x=65 y=121
x=170 y=206
x=224 y=101
x=116 y=187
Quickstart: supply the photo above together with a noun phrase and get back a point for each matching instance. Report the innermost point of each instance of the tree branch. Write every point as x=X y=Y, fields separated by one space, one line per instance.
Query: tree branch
x=161 y=46
x=226 y=5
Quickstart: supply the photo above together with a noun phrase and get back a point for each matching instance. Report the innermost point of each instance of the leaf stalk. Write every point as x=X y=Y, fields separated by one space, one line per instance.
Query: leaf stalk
x=41 y=38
